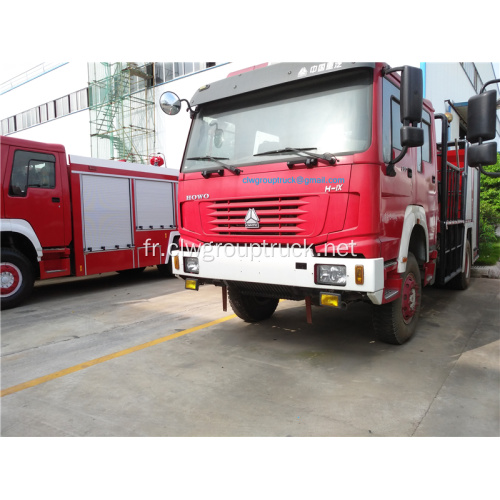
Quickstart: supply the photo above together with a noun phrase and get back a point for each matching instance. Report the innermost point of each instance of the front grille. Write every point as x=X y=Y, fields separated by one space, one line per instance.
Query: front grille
x=282 y=216
x=272 y=291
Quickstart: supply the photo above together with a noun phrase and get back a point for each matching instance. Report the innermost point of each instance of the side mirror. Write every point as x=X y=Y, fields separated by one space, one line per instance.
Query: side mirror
x=482 y=154
x=412 y=95
x=481 y=117
x=170 y=103
x=412 y=137
x=411 y=103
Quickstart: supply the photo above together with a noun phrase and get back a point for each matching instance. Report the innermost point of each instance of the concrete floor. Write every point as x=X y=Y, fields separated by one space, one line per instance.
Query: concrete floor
x=282 y=377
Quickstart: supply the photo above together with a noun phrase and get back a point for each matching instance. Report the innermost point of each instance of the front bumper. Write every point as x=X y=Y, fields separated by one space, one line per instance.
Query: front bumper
x=290 y=267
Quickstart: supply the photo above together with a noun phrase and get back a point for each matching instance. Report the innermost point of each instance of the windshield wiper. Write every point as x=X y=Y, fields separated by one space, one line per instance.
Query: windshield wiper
x=301 y=151
x=215 y=159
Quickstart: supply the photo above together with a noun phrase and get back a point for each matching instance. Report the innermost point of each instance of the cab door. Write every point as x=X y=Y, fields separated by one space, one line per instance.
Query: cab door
x=426 y=180
x=397 y=192
x=35 y=194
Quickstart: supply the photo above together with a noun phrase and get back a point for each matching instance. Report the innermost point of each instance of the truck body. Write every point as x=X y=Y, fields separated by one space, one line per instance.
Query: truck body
x=324 y=182
x=75 y=216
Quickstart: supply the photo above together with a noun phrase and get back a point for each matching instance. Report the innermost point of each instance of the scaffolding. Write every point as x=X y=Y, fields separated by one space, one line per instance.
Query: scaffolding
x=122 y=111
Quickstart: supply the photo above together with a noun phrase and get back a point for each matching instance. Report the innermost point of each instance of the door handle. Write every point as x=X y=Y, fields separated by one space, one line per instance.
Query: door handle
x=56 y=200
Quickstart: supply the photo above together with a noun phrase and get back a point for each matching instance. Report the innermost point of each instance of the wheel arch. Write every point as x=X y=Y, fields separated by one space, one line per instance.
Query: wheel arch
x=414 y=237
x=19 y=235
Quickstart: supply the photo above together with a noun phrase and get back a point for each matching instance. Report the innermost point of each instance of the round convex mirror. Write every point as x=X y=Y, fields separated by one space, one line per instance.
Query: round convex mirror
x=170 y=103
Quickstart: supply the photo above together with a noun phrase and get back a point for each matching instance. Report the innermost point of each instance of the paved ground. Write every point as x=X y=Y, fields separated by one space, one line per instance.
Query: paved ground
x=201 y=372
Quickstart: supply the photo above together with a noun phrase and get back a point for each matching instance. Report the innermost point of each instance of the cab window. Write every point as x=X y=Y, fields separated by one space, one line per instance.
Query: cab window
x=424 y=152
x=32 y=170
x=391 y=120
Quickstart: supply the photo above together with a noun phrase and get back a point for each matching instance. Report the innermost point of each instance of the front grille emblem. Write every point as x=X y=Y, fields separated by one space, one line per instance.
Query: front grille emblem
x=252 y=219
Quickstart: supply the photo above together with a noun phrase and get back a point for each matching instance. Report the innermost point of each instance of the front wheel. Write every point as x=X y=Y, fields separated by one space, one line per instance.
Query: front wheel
x=17 y=278
x=251 y=308
x=165 y=270
x=395 y=322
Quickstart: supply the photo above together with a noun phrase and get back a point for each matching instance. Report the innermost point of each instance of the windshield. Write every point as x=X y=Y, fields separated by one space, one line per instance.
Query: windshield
x=332 y=116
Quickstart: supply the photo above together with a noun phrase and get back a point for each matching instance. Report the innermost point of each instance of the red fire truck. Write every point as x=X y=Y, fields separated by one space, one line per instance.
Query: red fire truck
x=324 y=182
x=80 y=216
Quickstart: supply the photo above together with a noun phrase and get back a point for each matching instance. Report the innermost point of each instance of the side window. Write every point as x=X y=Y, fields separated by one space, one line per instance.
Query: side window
x=424 y=153
x=391 y=120
x=32 y=170
x=396 y=124
x=426 y=148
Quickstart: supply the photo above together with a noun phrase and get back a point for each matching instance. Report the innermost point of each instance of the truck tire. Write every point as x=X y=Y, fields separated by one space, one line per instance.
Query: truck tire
x=395 y=322
x=251 y=308
x=17 y=278
x=461 y=281
x=165 y=270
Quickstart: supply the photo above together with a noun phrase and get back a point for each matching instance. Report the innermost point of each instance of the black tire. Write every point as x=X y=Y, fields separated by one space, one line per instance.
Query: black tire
x=17 y=278
x=165 y=270
x=251 y=308
x=395 y=322
x=461 y=281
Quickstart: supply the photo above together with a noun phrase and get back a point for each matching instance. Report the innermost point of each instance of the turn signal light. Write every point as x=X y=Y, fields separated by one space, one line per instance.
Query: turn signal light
x=359 y=272
x=176 y=262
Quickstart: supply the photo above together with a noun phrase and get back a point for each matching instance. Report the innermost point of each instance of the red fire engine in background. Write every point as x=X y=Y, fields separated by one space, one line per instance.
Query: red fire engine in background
x=80 y=216
x=325 y=182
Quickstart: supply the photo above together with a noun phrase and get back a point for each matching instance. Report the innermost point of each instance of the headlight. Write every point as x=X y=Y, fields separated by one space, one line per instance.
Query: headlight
x=326 y=274
x=191 y=265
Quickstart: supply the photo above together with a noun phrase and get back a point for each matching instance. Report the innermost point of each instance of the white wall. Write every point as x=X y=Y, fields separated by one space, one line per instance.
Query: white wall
x=72 y=131
x=52 y=85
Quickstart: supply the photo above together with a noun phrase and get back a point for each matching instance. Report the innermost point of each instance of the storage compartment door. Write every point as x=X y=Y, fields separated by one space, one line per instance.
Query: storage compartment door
x=154 y=202
x=106 y=208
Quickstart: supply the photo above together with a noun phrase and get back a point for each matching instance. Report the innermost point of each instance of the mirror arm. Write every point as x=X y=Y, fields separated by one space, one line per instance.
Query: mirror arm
x=390 y=166
x=192 y=112
x=489 y=83
x=387 y=69
x=488 y=174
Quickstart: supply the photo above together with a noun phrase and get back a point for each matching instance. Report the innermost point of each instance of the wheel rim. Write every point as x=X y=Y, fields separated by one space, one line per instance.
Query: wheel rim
x=11 y=279
x=410 y=298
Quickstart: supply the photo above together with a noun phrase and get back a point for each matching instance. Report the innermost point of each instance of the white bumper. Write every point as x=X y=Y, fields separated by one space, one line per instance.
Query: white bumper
x=288 y=267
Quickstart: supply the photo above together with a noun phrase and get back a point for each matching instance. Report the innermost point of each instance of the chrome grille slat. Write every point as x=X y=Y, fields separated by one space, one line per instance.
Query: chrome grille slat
x=278 y=216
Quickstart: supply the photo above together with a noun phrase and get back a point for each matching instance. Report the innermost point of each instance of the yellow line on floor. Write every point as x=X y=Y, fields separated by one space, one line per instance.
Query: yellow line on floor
x=93 y=362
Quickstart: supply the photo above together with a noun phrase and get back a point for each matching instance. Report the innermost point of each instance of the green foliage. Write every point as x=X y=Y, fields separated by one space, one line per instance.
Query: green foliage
x=489 y=215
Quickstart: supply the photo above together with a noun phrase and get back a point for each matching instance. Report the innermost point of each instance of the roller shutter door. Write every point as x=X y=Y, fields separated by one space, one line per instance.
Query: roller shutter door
x=107 y=221
x=154 y=204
